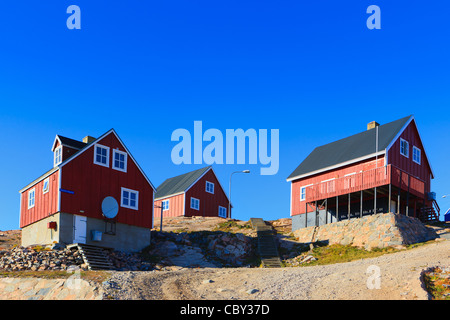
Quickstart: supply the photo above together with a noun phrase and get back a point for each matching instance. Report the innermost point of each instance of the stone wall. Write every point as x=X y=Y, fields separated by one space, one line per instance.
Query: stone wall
x=374 y=231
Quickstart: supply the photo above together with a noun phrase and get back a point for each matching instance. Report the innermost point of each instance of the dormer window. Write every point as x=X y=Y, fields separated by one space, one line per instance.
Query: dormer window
x=57 y=156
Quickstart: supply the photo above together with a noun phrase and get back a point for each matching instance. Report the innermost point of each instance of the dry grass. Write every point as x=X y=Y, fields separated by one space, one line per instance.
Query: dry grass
x=437 y=283
x=96 y=276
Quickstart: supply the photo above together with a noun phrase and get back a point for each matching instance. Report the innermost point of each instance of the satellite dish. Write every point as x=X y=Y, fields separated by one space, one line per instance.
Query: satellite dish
x=110 y=207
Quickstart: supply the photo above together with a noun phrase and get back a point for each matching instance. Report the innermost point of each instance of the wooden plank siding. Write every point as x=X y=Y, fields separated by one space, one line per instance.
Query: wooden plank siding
x=298 y=206
x=394 y=168
x=176 y=207
x=91 y=183
x=209 y=203
x=418 y=171
x=356 y=182
x=45 y=204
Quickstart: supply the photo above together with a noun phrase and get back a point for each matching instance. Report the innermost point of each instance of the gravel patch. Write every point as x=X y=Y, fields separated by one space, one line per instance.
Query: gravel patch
x=392 y=276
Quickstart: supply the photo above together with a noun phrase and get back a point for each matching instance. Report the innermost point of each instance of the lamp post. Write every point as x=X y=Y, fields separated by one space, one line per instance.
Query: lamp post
x=229 y=191
x=161 y=222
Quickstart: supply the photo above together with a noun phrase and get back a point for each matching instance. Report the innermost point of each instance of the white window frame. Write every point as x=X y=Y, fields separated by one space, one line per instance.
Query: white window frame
x=165 y=204
x=197 y=207
x=114 y=160
x=107 y=155
x=130 y=191
x=45 y=190
x=31 y=200
x=57 y=156
x=418 y=152
x=223 y=210
x=404 y=143
x=210 y=184
x=304 y=188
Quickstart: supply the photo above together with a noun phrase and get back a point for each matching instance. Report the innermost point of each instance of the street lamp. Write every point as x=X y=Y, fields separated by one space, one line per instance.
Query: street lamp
x=229 y=191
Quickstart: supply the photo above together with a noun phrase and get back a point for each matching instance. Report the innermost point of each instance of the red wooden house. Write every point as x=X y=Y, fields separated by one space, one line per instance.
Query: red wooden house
x=67 y=204
x=383 y=169
x=196 y=193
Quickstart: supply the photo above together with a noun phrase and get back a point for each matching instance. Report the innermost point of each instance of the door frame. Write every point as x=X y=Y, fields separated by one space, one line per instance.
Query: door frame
x=78 y=237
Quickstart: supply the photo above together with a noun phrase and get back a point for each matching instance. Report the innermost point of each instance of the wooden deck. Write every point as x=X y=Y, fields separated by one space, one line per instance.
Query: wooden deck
x=366 y=180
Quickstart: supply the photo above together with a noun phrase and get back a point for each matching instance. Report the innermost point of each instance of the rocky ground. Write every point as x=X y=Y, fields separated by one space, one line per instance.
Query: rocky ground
x=396 y=276
x=213 y=258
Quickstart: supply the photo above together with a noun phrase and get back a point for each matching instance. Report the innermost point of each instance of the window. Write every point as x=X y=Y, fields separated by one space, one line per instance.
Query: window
x=209 y=187
x=46 y=186
x=57 y=156
x=31 y=194
x=303 y=192
x=404 y=148
x=165 y=205
x=195 y=204
x=222 y=212
x=119 y=160
x=416 y=155
x=129 y=199
x=101 y=155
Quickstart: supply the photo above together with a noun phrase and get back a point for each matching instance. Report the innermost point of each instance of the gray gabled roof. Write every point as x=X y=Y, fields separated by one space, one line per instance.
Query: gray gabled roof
x=179 y=183
x=355 y=147
x=71 y=142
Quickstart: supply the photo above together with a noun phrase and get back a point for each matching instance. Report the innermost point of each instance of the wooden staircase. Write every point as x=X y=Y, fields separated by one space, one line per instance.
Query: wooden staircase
x=94 y=257
x=267 y=247
x=429 y=214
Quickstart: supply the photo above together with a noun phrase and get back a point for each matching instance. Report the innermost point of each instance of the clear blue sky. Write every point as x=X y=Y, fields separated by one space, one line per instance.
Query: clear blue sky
x=145 y=68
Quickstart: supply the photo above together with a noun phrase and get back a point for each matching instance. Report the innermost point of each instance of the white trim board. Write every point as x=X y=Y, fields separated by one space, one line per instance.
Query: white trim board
x=382 y=152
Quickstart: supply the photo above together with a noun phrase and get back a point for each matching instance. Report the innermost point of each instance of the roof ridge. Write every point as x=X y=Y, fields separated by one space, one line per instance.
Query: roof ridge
x=351 y=148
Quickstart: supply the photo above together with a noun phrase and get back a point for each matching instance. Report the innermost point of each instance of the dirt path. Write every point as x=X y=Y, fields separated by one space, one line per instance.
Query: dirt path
x=399 y=278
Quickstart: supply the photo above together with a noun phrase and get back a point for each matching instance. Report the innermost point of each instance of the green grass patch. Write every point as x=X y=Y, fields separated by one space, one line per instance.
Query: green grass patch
x=336 y=253
x=437 y=284
x=229 y=226
x=339 y=253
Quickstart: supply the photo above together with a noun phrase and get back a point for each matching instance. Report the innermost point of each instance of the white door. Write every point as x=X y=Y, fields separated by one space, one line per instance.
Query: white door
x=79 y=229
x=393 y=206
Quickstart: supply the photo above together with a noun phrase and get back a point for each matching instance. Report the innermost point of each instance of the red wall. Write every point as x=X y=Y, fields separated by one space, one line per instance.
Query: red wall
x=209 y=203
x=176 y=207
x=298 y=207
x=44 y=204
x=67 y=152
x=421 y=171
x=91 y=183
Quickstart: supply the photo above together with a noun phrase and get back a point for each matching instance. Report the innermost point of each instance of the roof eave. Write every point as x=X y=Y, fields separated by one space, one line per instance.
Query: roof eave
x=339 y=165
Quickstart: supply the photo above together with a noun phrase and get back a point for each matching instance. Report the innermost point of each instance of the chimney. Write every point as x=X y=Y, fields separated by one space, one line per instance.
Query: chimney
x=88 y=139
x=372 y=125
